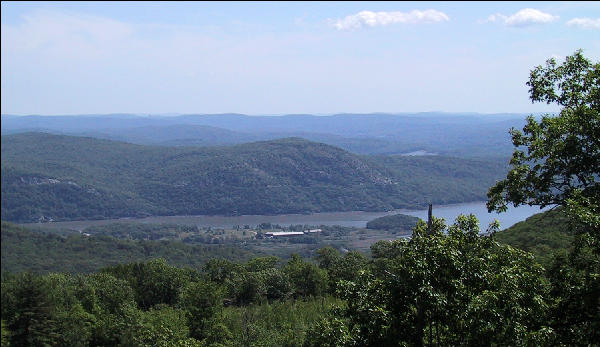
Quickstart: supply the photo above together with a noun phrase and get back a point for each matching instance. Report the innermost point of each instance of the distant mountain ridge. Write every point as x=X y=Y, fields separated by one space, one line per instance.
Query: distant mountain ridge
x=61 y=177
x=458 y=134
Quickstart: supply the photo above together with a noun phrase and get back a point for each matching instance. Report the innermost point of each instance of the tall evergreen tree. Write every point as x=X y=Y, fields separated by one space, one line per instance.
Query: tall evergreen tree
x=33 y=322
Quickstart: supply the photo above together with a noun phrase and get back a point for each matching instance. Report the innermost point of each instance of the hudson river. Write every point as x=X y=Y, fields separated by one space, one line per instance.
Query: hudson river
x=353 y=219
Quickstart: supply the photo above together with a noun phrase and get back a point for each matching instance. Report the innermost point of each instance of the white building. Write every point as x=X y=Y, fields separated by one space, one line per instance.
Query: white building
x=283 y=233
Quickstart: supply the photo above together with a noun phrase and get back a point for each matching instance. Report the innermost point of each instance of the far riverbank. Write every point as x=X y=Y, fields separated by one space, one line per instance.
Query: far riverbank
x=357 y=219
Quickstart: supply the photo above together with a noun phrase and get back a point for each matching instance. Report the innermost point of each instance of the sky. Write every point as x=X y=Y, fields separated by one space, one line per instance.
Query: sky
x=270 y=58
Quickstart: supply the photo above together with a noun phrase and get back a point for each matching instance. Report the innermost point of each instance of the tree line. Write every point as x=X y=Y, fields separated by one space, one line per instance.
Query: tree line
x=447 y=285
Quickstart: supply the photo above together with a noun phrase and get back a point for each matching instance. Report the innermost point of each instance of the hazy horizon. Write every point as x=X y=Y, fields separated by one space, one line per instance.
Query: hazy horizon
x=174 y=114
x=262 y=58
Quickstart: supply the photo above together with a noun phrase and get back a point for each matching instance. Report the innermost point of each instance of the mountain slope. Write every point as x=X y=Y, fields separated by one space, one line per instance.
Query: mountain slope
x=542 y=234
x=63 y=177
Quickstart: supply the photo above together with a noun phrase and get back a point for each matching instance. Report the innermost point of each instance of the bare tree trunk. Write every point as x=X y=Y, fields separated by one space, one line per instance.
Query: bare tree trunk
x=429 y=221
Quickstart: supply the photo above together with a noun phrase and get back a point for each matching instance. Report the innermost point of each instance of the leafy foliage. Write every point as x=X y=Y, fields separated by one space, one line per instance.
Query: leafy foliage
x=279 y=323
x=201 y=300
x=397 y=222
x=154 y=281
x=557 y=157
x=340 y=267
x=444 y=289
x=562 y=167
x=28 y=250
x=575 y=287
x=30 y=316
x=155 y=304
x=307 y=278
x=543 y=234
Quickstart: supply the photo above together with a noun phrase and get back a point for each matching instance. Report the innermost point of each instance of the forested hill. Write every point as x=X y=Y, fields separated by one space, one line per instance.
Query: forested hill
x=542 y=234
x=64 y=177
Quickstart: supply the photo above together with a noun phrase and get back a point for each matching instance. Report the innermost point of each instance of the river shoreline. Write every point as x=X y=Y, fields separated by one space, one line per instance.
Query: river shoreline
x=349 y=218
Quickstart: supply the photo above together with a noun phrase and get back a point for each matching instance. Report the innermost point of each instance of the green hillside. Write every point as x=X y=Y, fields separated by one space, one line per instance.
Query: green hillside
x=64 y=178
x=542 y=234
x=397 y=222
x=26 y=249
x=442 y=180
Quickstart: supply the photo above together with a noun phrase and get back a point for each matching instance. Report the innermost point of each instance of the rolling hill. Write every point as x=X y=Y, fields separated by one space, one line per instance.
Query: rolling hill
x=57 y=177
x=542 y=234
x=453 y=134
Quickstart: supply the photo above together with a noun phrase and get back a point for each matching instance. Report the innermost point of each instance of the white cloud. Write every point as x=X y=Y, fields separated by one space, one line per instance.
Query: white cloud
x=372 y=19
x=524 y=17
x=586 y=23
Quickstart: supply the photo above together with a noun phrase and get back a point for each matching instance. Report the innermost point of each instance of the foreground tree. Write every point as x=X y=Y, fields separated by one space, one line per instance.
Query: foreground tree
x=29 y=311
x=154 y=282
x=307 y=278
x=557 y=162
x=202 y=301
x=445 y=286
x=557 y=159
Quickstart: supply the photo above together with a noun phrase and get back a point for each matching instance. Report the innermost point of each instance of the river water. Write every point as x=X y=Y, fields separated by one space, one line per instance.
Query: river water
x=507 y=219
x=351 y=219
